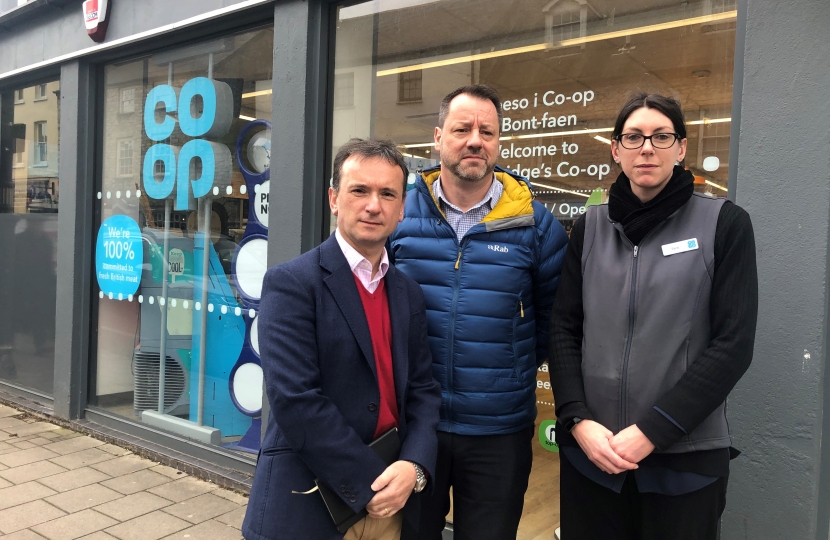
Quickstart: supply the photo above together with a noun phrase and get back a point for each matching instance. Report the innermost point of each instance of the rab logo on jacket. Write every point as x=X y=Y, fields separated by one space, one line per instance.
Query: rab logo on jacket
x=500 y=249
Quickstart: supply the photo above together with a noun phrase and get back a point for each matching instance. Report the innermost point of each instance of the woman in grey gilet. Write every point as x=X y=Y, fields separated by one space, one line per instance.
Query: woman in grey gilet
x=653 y=324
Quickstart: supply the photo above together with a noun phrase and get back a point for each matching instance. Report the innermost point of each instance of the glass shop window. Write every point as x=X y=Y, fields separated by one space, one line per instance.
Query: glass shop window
x=563 y=69
x=29 y=195
x=181 y=244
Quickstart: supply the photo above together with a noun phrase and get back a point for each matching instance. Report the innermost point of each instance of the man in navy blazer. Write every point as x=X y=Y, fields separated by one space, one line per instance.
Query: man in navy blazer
x=334 y=378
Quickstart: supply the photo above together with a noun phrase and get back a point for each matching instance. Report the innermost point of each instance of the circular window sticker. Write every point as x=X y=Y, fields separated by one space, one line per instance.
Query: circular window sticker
x=247 y=387
x=250 y=266
x=255 y=335
x=547 y=435
x=261 y=195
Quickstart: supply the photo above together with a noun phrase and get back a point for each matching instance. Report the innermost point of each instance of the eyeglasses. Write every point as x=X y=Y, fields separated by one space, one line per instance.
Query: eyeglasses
x=633 y=141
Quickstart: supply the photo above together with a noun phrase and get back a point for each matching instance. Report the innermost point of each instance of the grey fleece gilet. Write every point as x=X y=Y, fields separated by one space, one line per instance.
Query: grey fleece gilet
x=647 y=316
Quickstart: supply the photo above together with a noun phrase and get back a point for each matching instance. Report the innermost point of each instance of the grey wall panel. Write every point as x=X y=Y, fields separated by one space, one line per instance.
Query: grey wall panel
x=52 y=31
x=783 y=181
x=75 y=239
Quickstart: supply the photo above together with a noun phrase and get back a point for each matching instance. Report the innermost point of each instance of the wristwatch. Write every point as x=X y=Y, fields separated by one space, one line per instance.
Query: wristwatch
x=421 y=479
x=573 y=423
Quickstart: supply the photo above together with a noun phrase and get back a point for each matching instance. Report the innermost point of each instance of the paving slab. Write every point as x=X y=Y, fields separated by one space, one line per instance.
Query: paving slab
x=83 y=498
x=233 y=518
x=74 y=444
x=135 y=482
x=8 y=423
x=24 y=457
x=123 y=465
x=27 y=515
x=34 y=428
x=25 y=534
x=82 y=458
x=201 y=508
x=74 y=525
x=114 y=450
x=148 y=527
x=231 y=496
x=168 y=471
x=132 y=506
x=32 y=471
x=6 y=411
x=23 y=493
x=73 y=479
x=183 y=488
x=100 y=535
x=208 y=529
x=40 y=440
x=23 y=445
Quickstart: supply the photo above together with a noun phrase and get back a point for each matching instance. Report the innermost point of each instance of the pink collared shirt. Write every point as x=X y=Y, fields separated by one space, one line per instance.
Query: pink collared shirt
x=360 y=265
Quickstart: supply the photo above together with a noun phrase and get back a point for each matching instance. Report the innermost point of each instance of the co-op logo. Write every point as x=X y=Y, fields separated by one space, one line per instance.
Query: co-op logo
x=212 y=119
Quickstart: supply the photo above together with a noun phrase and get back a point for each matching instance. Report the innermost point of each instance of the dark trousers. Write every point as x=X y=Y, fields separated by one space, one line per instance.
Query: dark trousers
x=593 y=512
x=488 y=475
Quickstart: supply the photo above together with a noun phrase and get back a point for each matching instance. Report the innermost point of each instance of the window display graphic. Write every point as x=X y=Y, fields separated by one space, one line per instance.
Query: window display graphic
x=171 y=121
x=249 y=265
x=118 y=256
x=547 y=435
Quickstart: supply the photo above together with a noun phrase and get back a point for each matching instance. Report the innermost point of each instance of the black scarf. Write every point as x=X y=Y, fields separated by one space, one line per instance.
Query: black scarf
x=637 y=218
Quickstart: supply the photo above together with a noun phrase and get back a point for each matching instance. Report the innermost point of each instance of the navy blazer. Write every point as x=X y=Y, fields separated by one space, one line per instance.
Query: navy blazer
x=321 y=383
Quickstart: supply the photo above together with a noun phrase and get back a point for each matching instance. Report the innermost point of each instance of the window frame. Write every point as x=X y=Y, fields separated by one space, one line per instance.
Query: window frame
x=41 y=96
x=38 y=145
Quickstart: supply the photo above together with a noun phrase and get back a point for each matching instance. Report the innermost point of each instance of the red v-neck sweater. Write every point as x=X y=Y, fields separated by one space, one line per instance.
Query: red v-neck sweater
x=376 y=306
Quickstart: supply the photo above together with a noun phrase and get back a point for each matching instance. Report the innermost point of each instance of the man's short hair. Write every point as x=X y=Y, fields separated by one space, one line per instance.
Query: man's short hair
x=480 y=91
x=368 y=148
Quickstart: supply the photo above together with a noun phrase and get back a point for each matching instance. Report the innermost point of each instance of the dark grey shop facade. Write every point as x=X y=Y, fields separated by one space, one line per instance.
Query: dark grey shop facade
x=137 y=219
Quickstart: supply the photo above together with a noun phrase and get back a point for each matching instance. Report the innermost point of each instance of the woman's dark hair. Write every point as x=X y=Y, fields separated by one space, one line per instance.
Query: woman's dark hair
x=368 y=148
x=666 y=105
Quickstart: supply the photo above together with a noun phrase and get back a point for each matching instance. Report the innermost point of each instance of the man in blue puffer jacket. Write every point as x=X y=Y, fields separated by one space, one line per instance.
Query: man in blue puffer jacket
x=488 y=260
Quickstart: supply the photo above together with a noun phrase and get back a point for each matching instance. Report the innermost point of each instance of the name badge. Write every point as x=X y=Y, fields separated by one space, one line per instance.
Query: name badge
x=680 y=247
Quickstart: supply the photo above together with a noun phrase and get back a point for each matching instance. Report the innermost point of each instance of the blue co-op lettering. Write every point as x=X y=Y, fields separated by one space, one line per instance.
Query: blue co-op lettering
x=215 y=121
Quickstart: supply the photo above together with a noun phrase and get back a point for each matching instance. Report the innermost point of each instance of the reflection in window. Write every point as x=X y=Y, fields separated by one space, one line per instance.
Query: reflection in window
x=29 y=197
x=125 y=157
x=127 y=100
x=409 y=86
x=157 y=308
x=344 y=90
x=41 y=151
x=563 y=68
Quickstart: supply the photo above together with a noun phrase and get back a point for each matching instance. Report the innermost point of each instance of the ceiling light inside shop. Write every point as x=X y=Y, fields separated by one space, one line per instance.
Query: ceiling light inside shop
x=602 y=139
x=248 y=118
x=727 y=15
x=537 y=184
x=257 y=93
x=711 y=163
x=716 y=185
x=377 y=6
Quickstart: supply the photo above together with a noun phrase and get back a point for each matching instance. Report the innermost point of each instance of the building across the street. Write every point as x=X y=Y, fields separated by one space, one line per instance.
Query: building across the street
x=139 y=141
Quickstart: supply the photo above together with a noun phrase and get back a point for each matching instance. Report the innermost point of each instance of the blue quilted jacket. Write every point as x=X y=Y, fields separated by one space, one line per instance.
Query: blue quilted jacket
x=488 y=301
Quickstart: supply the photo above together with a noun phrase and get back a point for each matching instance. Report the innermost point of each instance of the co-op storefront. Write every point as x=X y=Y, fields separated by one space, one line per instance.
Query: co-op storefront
x=148 y=179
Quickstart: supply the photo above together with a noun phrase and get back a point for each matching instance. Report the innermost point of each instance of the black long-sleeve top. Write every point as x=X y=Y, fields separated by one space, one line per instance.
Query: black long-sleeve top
x=708 y=380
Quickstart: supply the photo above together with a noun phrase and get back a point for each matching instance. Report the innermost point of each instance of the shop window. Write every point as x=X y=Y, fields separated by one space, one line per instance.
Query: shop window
x=41 y=149
x=127 y=103
x=563 y=69
x=409 y=86
x=343 y=90
x=181 y=242
x=29 y=195
x=40 y=92
x=125 y=157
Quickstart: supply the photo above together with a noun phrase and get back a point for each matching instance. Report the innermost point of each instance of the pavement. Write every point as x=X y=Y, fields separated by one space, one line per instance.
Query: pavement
x=57 y=484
